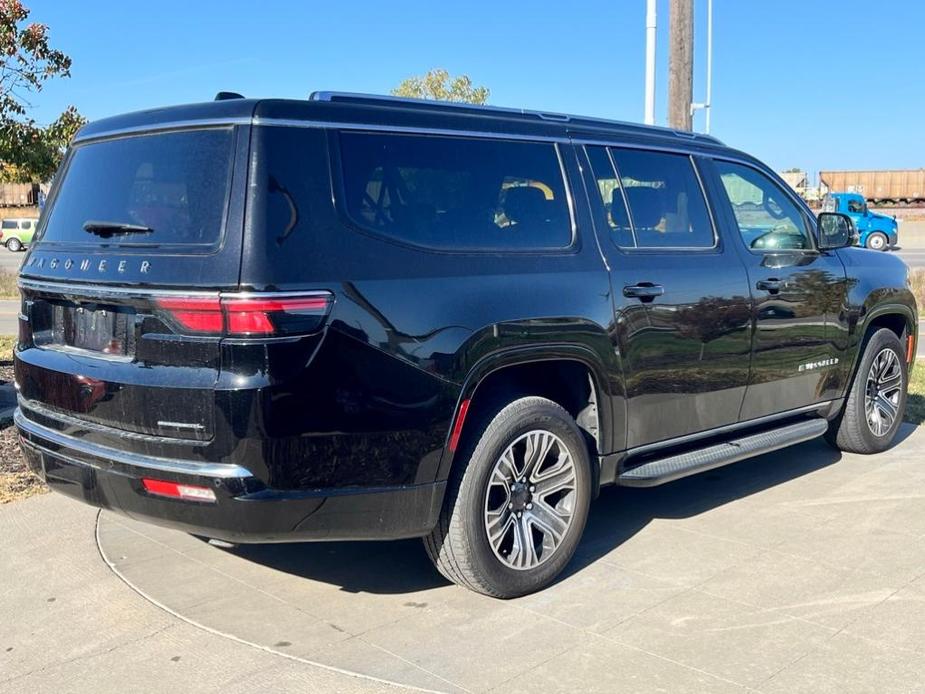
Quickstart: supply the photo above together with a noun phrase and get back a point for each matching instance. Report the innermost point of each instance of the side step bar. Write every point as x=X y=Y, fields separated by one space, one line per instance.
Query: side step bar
x=674 y=467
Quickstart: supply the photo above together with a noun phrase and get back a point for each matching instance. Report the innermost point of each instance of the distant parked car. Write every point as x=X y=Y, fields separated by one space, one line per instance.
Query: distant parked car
x=876 y=231
x=16 y=233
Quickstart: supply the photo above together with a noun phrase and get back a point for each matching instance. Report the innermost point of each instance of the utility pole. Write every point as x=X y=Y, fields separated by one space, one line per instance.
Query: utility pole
x=650 y=62
x=680 y=63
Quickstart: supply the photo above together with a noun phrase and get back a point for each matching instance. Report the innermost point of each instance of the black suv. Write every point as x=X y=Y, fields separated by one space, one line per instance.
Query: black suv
x=358 y=317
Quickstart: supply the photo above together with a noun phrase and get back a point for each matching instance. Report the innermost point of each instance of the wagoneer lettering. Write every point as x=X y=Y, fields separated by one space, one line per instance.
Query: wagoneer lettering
x=363 y=318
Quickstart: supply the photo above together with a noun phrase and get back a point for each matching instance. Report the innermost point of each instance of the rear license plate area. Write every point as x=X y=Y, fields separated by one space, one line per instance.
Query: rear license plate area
x=102 y=329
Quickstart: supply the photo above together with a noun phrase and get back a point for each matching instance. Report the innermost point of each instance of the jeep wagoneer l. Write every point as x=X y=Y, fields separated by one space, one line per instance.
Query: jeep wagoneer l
x=357 y=317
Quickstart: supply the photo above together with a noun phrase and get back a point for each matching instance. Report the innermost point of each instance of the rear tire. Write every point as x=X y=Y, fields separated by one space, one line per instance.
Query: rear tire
x=517 y=501
x=878 y=242
x=14 y=245
x=876 y=402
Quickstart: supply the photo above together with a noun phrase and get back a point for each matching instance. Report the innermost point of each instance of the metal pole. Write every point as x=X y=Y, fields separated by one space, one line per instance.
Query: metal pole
x=650 y=62
x=709 y=105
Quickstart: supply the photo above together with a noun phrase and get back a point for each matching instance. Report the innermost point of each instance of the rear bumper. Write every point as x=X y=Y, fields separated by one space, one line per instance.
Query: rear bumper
x=245 y=510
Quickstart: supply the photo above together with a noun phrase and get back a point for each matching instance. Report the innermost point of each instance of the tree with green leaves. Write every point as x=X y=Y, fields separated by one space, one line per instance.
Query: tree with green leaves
x=437 y=84
x=28 y=151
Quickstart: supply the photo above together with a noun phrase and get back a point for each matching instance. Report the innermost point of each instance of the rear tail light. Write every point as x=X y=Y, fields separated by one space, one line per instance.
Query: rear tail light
x=176 y=490
x=249 y=315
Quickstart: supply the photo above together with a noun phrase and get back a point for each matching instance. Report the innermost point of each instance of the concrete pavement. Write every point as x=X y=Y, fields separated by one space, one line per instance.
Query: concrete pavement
x=69 y=624
x=802 y=570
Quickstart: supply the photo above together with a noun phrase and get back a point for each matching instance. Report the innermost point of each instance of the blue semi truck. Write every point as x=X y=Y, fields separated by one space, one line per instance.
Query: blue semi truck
x=876 y=231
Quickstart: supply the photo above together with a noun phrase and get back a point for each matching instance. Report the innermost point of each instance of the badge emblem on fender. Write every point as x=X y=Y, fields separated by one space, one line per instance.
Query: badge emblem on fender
x=820 y=364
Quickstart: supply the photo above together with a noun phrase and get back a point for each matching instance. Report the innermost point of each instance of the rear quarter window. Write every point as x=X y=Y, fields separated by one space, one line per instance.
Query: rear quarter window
x=456 y=193
x=174 y=183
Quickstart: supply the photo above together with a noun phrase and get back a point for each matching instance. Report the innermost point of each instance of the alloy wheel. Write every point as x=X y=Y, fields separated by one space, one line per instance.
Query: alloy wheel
x=883 y=390
x=530 y=500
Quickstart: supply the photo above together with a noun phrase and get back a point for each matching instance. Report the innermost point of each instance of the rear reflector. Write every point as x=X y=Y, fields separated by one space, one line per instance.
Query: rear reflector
x=260 y=316
x=457 y=428
x=175 y=490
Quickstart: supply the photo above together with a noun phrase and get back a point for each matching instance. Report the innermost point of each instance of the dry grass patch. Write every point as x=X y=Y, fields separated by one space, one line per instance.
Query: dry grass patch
x=915 y=402
x=8 y=288
x=918 y=287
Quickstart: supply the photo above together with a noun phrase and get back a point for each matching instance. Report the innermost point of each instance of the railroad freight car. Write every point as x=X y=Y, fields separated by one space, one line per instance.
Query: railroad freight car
x=18 y=194
x=896 y=187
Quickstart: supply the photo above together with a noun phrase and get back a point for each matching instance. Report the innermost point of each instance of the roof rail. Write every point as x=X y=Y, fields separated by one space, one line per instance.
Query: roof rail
x=433 y=105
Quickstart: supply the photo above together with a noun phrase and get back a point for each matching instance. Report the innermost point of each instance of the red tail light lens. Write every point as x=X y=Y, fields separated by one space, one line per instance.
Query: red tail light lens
x=249 y=315
x=198 y=315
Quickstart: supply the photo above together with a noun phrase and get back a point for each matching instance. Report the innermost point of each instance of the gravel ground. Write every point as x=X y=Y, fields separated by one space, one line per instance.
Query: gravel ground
x=16 y=482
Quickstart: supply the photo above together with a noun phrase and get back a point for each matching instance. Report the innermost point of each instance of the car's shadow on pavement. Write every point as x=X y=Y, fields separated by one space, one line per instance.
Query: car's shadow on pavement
x=619 y=513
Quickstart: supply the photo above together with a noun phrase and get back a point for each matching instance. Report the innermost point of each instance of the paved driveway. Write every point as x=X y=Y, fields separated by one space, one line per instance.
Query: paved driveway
x=802 y=570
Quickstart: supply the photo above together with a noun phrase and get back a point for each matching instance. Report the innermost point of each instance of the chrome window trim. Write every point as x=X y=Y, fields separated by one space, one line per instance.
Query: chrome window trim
x=404 y=129
x=358 y=125
x=154 y=128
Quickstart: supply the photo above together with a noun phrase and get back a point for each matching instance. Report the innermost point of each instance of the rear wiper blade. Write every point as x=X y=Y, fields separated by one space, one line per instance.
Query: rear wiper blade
x=110 y=228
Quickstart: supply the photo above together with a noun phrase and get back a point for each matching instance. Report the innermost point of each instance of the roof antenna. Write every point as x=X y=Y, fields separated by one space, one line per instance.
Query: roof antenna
x=225 y=96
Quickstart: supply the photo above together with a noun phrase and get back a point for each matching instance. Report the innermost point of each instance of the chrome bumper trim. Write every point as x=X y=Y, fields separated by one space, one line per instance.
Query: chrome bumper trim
x=122 y=458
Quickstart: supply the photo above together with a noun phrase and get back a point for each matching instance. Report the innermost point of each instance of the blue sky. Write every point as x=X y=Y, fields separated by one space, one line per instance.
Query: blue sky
x=814 y=84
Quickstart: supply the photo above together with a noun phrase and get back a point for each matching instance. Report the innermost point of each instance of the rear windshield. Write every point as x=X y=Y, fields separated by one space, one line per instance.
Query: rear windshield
x=174 y=184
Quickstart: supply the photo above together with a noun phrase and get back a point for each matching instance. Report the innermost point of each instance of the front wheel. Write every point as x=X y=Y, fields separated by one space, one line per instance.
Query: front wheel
x=517 y=502
x=876 y=401
x=877 y=242
x=14 y=245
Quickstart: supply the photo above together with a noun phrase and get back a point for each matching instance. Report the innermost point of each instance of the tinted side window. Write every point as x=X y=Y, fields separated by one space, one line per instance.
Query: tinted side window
x=767 y=218
x=665 y=200
x=608 y=185
x=855 y=206
x=456 y=193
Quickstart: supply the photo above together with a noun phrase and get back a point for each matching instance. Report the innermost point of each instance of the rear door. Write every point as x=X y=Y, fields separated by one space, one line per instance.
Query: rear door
x=797 y=290
x=134 y=223
x=681 y=303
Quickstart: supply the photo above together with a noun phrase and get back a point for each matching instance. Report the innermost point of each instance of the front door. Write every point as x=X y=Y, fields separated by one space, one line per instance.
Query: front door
x=797 y=293
x=681 y=301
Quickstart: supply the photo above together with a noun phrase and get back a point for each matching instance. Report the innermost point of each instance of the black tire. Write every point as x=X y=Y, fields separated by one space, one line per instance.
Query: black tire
x=878 y=242
x=851 y=431
x=459 y=546
x=14 y=245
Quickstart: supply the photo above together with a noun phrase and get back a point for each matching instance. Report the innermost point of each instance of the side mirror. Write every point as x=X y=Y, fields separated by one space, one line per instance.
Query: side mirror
x=836 y=230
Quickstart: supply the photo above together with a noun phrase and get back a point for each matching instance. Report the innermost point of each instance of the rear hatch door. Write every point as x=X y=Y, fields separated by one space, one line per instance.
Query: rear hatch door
x=133 y=221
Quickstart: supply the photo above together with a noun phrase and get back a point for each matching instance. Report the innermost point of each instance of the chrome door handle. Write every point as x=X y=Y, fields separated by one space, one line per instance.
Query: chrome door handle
x=644 y=291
